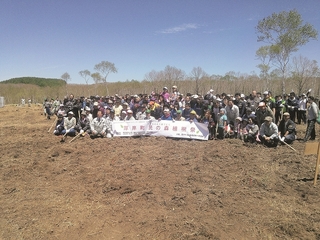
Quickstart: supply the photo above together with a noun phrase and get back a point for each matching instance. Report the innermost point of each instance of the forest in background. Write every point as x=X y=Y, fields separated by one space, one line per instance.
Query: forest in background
x=40 y=88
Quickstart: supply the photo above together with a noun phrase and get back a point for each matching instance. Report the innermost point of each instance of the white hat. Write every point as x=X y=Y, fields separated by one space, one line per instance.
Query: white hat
x=211 y=90
x=166 y=110
x=174 y=86
x=262 y=104
x=165 y=88
x=95 y=104
x=129 y=111
x=71 y=113
x=242 y=95
x=87 y=108
x=195 y=96
x=265 y=93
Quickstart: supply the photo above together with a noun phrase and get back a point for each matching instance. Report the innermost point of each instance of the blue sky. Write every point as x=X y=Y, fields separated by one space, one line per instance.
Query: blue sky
x=46 y=38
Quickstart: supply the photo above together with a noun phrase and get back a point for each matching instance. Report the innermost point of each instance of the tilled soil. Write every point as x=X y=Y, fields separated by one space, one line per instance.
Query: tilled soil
x=150 y=187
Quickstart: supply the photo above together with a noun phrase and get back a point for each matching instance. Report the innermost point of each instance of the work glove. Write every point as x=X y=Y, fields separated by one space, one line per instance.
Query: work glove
x=81 y=131
x=67 y=131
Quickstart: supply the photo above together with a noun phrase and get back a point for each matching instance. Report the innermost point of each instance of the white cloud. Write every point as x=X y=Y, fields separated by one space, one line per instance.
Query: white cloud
x=180 y=28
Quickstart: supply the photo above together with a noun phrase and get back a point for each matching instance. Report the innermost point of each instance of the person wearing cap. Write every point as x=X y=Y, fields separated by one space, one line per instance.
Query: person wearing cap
x=148 y=115
x=47 y=108
x=292 y=106
x=117 y=107
x=232 y=111
x=123 y=115
x=287 y=129
x=268 y=134
x=312 y=115
x=207 y=119
x=252 y=130
x=247 y=113
x=95 y=110
x=193 y=116
x=302 y=109
x=69 y=124
x=165 y=94
x=88 y=112
x=61 y=110
x=141 y=114
x=175 y=93
x=262 y=112
x=55 y=106
x=98 y=126
x=198 y=106
x=280 y=108
x=111 y=118
x=166 y=114
x=155 y=109
x=129 y=116
x=209 y=96
x=179 y=116
x=83 y=124
x=238 y=101
x=186 y=111
x=222 y=123
x=59 y=125
x=125 y=107
x=239 y=128
x=269 y=101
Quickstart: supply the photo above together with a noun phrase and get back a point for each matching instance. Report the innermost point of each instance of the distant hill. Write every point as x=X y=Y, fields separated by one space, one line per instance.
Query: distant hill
x=42 y=82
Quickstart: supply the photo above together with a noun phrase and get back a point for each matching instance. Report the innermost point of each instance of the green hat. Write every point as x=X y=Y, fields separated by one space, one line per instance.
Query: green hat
x=148 y=111
x=179 y=111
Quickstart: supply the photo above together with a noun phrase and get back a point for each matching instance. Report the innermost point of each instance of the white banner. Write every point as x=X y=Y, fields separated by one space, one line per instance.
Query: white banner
x=177 y=129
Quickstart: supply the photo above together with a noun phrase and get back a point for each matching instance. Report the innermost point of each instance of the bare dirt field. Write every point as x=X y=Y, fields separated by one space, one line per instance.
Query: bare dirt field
x=151 y=187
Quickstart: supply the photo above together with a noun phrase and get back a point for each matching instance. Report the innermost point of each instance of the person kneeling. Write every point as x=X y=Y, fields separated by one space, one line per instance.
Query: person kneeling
x=269 y=133
x=98 y=126
x=69 y=124
x=287 y=129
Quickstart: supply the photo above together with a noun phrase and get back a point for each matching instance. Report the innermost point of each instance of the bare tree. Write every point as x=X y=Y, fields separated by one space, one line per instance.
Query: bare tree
x=66 y=78
x=96 y=79
x=85 y=74
x=104 y=68
x=303 y=70
x=197 y=74
x=264 y=55
x=172 y=75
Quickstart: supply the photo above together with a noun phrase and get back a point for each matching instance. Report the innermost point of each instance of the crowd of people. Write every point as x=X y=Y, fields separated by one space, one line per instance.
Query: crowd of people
x=255 y=118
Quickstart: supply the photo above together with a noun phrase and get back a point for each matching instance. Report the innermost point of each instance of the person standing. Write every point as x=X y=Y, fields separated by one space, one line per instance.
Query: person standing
x=232 y=111
x=312 y=114
x=222 y=123
x=302 y=109
x=292 y=106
